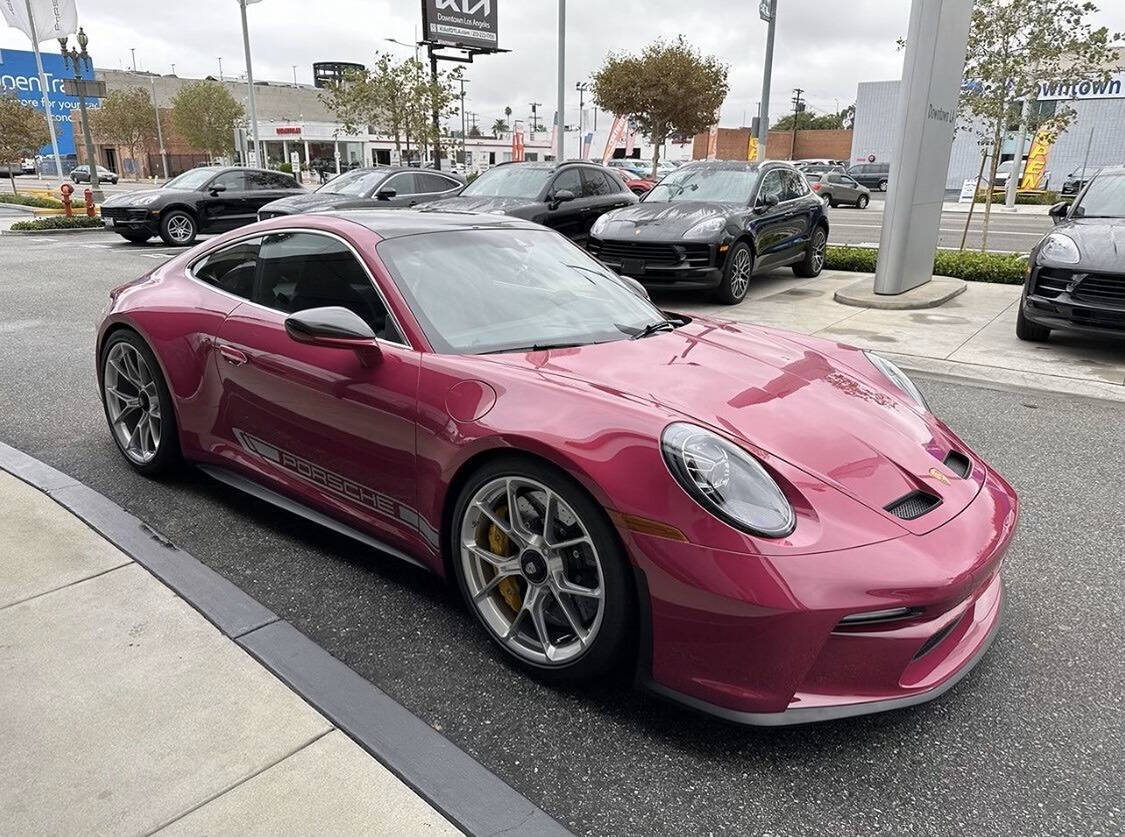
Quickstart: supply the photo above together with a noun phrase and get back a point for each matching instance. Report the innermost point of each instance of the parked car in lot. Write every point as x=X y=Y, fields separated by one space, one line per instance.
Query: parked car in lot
x=81 y=174
x=1076 y=181
x=835 y=187
x=370 y=188
x=1076 y=279
x=568 y=196
x=204 y=200
x=770 y=527
x=639 y=186
x=872 y=175
x=714 y=225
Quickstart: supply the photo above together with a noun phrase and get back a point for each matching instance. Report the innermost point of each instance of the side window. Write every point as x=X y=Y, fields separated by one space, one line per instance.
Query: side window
x=795 y=186
x=430 y=183
x=234 y=181
x=403 y=183
x=771 y=186
x=836 y=178
x=568 y=179
x=594 y=184
x=304 y=270
x=231 y=269
x=280 y=180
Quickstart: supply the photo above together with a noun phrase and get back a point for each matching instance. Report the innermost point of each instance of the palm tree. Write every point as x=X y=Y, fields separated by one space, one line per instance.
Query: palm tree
x=499 y=127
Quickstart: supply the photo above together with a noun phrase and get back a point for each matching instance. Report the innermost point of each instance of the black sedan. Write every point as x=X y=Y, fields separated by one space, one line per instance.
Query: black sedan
x=568 y=197
x=714 y=225
x=1076 y=278
x=204 y=200
x=370 y=188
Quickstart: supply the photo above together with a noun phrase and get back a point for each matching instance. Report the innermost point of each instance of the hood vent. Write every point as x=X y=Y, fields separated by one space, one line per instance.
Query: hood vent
x=913 y=505
x=959 y=464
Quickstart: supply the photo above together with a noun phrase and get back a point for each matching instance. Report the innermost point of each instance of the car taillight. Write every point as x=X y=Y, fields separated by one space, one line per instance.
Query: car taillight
x=816 y=187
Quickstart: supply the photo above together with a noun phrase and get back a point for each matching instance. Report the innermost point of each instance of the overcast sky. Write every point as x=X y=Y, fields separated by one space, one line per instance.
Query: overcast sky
x=823 y=46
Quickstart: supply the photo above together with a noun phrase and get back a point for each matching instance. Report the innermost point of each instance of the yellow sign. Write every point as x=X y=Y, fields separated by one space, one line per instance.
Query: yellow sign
x=752 y=149
x=1036 y=164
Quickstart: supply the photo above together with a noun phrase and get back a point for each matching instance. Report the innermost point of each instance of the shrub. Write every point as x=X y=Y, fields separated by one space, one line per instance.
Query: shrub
x=59 y=222
x=970 y=265
x=1028 y=197
x=31 y=200
x=286 y=167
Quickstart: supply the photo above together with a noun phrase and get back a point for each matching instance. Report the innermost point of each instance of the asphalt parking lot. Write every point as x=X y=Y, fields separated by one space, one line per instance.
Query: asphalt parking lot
x=1029 y=744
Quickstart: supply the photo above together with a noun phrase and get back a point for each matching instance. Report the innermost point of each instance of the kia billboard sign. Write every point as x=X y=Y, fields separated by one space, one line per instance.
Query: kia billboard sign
x=469 y=24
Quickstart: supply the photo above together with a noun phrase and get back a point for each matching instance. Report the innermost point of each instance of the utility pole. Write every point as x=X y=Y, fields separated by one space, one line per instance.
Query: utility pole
x=464 y=131
x=159 y=130
x=473 y=119
x=173 y=69
x=767 y=11
x=534 y=116
x=259 y=158
x=220 y=68
x=295 y=76
x=798 y=109
x=581 y=87
x=436 y=116
x=133 y=53
x=560 y=134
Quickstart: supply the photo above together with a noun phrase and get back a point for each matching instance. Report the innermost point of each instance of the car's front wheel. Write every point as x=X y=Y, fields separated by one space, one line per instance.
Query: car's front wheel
x=1027 y=330
x=736 y=274
x=861 y=202
x=135 y=237
x=178 y=228
x=138 y=405
x=882 y=185
x=540 y=566
x=813 y=262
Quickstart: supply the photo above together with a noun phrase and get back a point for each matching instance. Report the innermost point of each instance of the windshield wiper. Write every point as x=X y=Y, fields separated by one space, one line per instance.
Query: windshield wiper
x=534 y=347
x=649 y=330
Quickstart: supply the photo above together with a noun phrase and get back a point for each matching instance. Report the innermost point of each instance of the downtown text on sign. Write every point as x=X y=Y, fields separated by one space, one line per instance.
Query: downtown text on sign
x=469 y=24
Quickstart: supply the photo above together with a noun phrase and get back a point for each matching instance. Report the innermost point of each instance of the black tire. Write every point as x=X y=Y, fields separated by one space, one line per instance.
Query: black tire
x=135 y=237
x=168 y=456
x=1027 y=330
x=178 y=228
x=832 y=203
x=883 y=185
x=737 y=273
x=614 y=641
x=813 y=262
x=861 y=202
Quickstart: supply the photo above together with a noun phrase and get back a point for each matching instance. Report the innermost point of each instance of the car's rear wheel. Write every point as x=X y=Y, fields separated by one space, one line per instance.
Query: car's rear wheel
x=138 y=405
x=540 y=566
x=831 y=202
x=861 y=202
x=1027 y=330
x=736 y=274
x=813 y=262
x=135 y=237
x=178 y=228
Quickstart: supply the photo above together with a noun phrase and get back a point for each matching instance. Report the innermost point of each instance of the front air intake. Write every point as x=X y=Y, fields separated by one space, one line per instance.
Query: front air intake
x=958 y=463
x=913 y=505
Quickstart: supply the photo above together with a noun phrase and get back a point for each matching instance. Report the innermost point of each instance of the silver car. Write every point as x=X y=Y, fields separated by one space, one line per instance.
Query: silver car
x=836 y=187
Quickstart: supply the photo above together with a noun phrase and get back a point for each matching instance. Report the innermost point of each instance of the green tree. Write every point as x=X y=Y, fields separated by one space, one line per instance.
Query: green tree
x=499 y=127
x=23 y=131
x=668 y=89
x=128 y=118
x=807 y=121
x=205 y=115
x=1013 y=46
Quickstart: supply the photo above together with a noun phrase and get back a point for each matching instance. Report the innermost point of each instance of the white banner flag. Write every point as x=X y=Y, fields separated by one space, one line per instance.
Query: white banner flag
x=53 y=18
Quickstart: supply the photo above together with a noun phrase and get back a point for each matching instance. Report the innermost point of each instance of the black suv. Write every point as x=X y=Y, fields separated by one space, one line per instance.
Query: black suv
x=568 y=197
x=871 y=175
x=714 y=225
x=204 y=200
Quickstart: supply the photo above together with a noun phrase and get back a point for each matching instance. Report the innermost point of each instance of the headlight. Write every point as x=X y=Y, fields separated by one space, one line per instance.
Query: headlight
x=600 y=225
x=726 y=481
x=897 y=377
x=706 y=229
x=1059 y=248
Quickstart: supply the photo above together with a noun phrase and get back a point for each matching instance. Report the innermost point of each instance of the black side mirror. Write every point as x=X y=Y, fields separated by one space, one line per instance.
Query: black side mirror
x=767 y=202
x=1058 y=211
x=217 y=187
x=335 y=327
x=386 y=194
x=562 y=196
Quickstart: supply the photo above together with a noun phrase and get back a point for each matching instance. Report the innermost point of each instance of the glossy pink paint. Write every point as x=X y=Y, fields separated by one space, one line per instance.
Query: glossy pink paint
x=734 y=622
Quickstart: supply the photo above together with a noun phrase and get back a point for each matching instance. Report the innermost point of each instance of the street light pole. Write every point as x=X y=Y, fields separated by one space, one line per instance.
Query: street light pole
x=77 y=58
x=159 y=130
x=560 y=134
x=436 y=114
x=767 y=10
x=250 y=85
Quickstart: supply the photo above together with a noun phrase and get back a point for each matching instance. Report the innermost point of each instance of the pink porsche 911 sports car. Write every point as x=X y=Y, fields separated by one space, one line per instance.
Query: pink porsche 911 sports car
x=768 y=527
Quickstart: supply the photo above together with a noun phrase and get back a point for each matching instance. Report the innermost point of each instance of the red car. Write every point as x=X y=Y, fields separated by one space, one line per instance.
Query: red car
x=639 y=186
x=769 y=527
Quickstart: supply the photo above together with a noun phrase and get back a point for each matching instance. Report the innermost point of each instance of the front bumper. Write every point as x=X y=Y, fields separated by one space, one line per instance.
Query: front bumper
x=1075 y=300
x=678 y=264
x=131 y=219
x=759 y=640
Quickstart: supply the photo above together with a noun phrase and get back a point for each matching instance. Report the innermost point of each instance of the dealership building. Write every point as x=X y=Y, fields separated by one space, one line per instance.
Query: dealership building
x=1093 y=139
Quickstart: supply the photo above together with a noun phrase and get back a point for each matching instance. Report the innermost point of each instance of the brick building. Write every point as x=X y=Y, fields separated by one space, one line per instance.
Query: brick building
x=810 y=145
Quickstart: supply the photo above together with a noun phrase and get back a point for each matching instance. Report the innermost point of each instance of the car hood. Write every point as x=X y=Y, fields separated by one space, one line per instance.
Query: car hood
x=470 y=203
x=1101 y=243
x=312 y=201
x=131 y=198
x=847 y=428
x=661 y=220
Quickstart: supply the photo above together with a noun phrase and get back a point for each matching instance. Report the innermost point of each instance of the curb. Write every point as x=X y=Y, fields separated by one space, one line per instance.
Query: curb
x=932 y=294
x=54 y=232
x=468 y=794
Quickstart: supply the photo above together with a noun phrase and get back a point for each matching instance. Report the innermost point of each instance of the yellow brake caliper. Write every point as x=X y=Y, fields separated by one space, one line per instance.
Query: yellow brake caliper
x=498 y=544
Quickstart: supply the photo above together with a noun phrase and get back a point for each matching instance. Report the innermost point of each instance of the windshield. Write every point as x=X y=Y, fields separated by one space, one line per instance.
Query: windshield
x=479 y=291
x=1105 y=198
x=509 y=182
x=357 y=183
x=704 y=183
x=190 y=179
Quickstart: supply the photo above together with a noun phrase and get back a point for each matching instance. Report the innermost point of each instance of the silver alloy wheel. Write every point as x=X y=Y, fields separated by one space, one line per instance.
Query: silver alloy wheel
x=740 y=273
x=820 y=242
x=532 y=570
x=180 y=228
x=133 y=402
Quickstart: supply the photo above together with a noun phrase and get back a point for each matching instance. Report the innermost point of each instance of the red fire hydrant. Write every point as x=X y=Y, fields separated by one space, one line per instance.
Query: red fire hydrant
x=67 y=190
x=89 y=196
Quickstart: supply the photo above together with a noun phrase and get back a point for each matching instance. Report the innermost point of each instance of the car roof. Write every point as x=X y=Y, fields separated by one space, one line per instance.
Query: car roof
x=402 y=222
x=544 y=164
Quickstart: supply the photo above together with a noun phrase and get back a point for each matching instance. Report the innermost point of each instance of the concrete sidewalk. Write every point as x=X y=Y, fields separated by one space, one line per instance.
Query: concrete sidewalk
x=972 y=337
x=124 y=711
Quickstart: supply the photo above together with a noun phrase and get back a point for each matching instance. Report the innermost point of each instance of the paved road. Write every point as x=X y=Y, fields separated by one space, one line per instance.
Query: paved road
x=1030 y=744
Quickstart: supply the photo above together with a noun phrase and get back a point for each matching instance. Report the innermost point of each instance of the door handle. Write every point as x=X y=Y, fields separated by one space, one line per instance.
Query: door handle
x=233 y=356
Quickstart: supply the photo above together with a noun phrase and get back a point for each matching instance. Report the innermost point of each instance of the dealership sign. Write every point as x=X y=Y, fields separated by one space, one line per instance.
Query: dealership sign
x=468 y=24
x=1081 y=89
x=19 y=75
